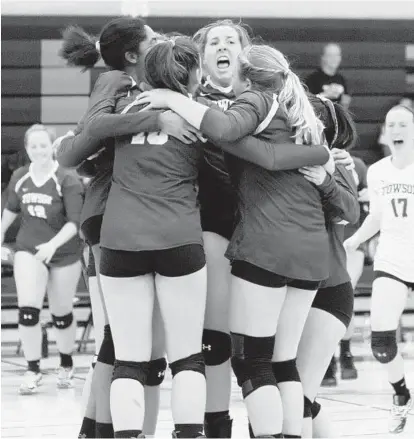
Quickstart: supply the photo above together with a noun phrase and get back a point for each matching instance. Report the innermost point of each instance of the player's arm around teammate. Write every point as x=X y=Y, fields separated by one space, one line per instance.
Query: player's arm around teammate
x=48 y=252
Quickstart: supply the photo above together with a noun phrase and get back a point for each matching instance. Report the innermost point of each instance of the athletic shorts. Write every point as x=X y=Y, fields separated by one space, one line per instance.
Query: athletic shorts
x=217 y=224
x=173 y=262
x=337 y=301
x=58 y=260
x=259 y=276
x=378 y=274
x=91 y=230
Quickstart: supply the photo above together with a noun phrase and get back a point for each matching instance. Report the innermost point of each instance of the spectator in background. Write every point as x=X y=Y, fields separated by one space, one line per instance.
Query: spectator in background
x=326 y=81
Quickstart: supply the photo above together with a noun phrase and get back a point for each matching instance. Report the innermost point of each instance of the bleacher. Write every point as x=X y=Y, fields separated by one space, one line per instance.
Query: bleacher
x=378 y=63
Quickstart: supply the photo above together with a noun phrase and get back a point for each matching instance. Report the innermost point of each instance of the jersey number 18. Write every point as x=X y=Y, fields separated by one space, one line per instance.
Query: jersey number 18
x=158 y=138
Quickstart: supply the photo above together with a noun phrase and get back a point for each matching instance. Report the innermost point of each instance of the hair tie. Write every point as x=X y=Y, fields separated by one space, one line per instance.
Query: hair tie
x=98 y=46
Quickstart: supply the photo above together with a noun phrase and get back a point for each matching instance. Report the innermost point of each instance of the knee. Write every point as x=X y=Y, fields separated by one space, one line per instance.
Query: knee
x=62 y=322
x=384 y=345
x=251 y=362
x=286 y=371
x=216 y=347
x=156 y=372
x=194 y=363
x=132 y=370
x=29 y=316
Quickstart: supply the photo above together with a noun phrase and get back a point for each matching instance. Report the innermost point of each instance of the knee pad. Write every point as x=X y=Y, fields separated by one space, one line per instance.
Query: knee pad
x=62 y=322
x=156 y=372
x=307 y=407
x=286 y=371
x=29 y=316
x=384 y=345
x=216 y=347
x=251 y=362
x=194 y=362
x=131 y=370
x=316 y=408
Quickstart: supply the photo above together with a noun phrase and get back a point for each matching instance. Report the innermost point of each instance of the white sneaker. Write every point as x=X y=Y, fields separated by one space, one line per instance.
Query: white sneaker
x=31 y=382
x=65 y=377
x=399 y=413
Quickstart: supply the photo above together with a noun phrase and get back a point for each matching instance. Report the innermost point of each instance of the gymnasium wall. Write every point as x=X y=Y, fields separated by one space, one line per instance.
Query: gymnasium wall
x=378 y=63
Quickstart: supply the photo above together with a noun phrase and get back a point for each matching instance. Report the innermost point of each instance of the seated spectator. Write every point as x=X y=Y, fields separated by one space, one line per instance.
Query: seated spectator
x=326 y=81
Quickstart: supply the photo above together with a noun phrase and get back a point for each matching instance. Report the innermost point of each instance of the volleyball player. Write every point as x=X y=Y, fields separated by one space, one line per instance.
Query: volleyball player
x=48 y=251
x=391 y=195
x=257 y=266
x=122 y=42
x=332 y=307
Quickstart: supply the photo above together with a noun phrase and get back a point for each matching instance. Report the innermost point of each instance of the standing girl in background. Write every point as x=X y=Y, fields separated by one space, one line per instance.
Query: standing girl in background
x=391 y=197
x=48 y=252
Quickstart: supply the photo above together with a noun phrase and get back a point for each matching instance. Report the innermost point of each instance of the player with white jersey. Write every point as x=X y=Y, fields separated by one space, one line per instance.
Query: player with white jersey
x=391 y=190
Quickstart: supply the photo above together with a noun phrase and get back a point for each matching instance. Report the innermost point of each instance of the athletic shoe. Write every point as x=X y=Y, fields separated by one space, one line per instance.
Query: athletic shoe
x=329 y=379
x=176 y=434
x=348 y=369
x=65 y=377
x=399 y=412
x=31 y=382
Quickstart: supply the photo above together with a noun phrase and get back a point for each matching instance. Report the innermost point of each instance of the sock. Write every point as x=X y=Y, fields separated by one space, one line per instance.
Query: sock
x=212 y=417
x=66 y=361
x=291 y=435
x=34 y=366
x=189 y=430
x=345 y=347
x=400 y=388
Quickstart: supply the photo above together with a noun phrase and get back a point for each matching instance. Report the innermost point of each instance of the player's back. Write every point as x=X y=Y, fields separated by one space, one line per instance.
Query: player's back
x=279 y=208
x=153 y=191
x=392 y=192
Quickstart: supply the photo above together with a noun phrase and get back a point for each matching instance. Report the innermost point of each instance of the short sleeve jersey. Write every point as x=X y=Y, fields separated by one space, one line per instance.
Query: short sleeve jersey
x=319 y=81
x=282 y=225
x=152 y=203
x=45 y=207
x=391 y=194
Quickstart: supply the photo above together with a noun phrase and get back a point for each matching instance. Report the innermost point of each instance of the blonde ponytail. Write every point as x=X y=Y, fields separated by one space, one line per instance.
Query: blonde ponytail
x=299 y=111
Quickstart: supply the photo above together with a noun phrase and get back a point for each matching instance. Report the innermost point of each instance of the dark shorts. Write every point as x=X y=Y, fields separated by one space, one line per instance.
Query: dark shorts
x=91 y=230
x=217 y=224
x=378 y=274
x=58 y=260
x=337 y=301
x=173 y=262
x=259 y=276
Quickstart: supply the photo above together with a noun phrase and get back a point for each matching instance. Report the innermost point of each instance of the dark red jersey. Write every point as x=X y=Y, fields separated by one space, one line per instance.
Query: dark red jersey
x=45 y=207
x=216 y=194
x=94 y=136
x=282 y=224
x=340 y=201
x=152 y=204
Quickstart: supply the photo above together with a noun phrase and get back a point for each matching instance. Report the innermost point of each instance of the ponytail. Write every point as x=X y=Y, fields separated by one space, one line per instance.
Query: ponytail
x=299 y=112
x=79 y=48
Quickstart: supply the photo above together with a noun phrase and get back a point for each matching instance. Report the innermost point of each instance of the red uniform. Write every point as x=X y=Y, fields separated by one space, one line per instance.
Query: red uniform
x=46 y=206
x=282 y=224
x=152 y=204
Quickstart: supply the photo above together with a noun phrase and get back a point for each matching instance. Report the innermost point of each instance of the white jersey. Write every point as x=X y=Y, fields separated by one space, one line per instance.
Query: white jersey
x=391 y=193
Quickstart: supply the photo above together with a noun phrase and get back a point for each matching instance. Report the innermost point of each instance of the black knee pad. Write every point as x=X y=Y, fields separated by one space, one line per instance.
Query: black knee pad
x=307 y=407
x=29 y=316
x=194 y=362
x=251 y=362
x=286 y=371
x=216 y=347
x=62 y=322
x=384 y=345
x=316 y=408
x=132 y=370
x=156 y=372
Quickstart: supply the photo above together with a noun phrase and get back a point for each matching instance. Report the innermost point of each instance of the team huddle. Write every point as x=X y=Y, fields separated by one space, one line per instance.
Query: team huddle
x=215 y=215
